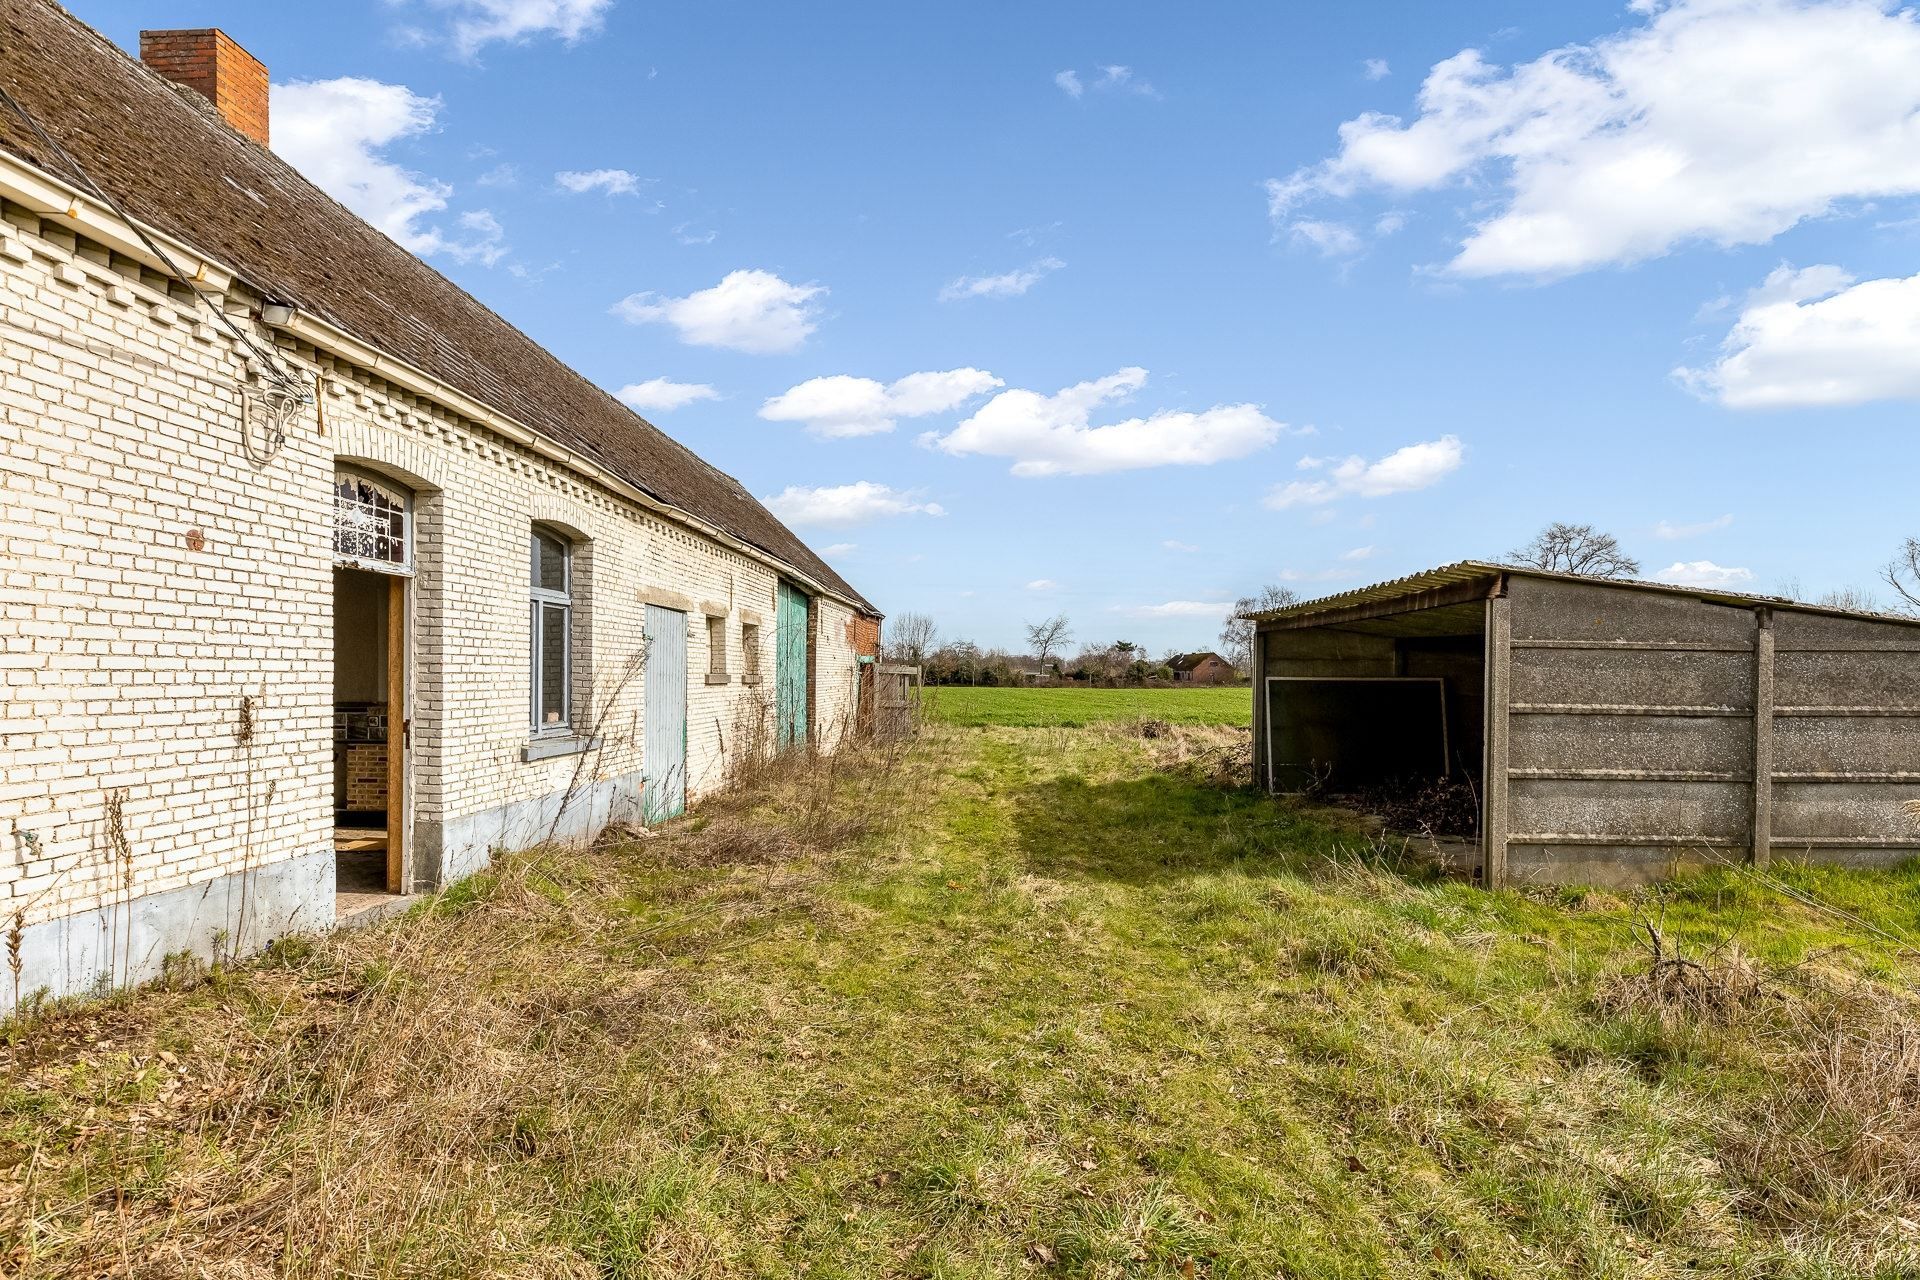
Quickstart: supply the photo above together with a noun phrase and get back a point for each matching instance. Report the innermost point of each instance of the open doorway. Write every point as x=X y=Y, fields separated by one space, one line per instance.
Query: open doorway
x=369 y=736
x=1386 y=714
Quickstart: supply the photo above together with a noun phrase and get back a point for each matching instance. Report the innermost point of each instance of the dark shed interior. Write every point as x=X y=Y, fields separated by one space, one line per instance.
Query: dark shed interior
x=1374 y=701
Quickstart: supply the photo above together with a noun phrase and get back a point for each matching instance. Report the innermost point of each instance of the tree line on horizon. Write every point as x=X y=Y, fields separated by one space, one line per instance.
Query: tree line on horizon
x=1560 y=547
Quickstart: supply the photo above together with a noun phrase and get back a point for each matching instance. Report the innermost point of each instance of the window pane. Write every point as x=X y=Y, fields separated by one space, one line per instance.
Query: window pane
x=369 y=522
x=717 y=646
x=549 y=563
x=553 y=664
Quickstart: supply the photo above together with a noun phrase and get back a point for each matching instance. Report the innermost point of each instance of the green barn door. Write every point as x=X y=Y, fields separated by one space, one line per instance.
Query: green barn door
x=790 y=667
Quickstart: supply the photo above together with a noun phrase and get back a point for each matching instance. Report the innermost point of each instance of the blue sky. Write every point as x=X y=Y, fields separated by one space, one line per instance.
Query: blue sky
x=1346 y=290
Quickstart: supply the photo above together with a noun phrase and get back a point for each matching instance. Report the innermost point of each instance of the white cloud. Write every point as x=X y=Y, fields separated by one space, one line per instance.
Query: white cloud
x=1376 y=68
x=334 y=132
x=1670 y=531
x=1123 y=80
x=1031 y=236
x=501 y=175
x=484 y=241
x=1330 y=239
x=661 y=395
x=1177 y=609
x=1358 y=553
x=1111 y=79
x=1011 y=285
x=847 y=503
x=1724 y=121
x=474 y=24
x=1043 y=584
x=1814 y=337
x=1704 y=573
x=1417 y=466
x=1173 y=544
x=1051 y=435
x=839 y=406
x=752 y=311
x=685 y=234
x=613 y=182
x=840 y=549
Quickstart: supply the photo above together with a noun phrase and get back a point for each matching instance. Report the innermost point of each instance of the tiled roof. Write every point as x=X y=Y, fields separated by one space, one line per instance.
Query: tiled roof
x=166 y=154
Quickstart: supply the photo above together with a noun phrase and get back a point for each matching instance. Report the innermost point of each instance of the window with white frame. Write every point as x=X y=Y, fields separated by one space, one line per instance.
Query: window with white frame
x=370 y=525
x=552 y=633
x=716 y=646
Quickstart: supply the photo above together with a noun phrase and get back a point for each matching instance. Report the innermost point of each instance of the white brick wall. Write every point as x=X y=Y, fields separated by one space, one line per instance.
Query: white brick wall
x=125 y=654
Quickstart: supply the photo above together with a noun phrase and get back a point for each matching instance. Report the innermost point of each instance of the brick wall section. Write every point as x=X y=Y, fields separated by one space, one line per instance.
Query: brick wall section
x=212 y=64
x=154 y=576
x=366 y=765
x=836 y=673
x=125 y=653
x=863 y=633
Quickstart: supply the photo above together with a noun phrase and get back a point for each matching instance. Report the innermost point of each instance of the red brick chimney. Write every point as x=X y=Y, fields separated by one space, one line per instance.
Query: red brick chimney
x=213 y=64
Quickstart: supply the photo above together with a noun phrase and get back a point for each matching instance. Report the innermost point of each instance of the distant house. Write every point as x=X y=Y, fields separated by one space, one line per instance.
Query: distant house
x=1203 y=668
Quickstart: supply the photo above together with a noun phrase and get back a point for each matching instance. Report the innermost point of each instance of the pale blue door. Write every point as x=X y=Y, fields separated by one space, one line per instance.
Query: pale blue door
x=665 y=736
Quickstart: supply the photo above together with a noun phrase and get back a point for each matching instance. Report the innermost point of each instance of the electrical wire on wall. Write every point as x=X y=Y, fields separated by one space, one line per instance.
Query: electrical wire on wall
x=286 y=393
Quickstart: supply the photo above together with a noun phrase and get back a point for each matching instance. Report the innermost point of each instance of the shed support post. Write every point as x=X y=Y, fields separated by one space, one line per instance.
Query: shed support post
x=1762 y=848
x=1493 y=820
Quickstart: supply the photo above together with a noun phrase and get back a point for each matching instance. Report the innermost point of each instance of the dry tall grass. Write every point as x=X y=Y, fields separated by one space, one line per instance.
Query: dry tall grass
x=447 y=1094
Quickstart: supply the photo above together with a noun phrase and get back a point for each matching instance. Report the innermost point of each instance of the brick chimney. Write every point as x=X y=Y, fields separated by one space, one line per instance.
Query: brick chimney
x=213 y=64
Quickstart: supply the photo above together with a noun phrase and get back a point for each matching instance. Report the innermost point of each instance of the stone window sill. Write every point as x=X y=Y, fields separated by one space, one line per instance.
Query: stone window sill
x=560 y=744
x=749 y=679
x=718 y=677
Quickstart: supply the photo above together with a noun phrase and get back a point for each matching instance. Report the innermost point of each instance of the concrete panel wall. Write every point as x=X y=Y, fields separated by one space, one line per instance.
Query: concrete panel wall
x=1631 y=729
x=1640 y=720
x=1846 y=739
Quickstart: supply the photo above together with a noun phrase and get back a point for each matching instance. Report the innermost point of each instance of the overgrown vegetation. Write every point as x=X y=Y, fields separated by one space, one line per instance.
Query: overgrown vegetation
x=1018 y=1001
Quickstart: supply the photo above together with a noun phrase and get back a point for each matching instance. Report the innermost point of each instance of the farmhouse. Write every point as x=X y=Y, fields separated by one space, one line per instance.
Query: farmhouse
x=322 y=581
x=1611 y=730
x=1203 y=668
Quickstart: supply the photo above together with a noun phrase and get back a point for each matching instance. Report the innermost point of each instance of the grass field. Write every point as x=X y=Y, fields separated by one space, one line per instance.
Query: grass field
x=1025 y=1002
x=1072 y=708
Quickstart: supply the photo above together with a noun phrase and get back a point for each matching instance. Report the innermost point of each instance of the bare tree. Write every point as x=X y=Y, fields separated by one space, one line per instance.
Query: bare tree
x=1856 y=599
x=1902 y=573
x=1045 y=637
x=1236 y=634
x=1576 y=548
x=913 y=636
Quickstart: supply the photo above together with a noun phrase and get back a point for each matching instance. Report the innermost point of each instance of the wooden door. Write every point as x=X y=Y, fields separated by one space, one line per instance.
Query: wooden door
x=790 y=667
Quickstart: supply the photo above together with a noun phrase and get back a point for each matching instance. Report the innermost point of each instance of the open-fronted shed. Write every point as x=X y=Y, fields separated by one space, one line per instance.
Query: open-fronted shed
x=1611 y=730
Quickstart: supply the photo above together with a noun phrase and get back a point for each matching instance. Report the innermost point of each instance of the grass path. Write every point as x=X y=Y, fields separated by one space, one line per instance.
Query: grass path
x=1072 y=1010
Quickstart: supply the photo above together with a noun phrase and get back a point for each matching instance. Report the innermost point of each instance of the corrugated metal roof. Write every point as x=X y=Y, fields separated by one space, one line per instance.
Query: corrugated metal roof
x=1460 y=571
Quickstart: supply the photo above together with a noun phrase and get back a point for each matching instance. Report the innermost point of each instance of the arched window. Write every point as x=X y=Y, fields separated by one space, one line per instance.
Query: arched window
x=551 y=590
x=371 y=529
